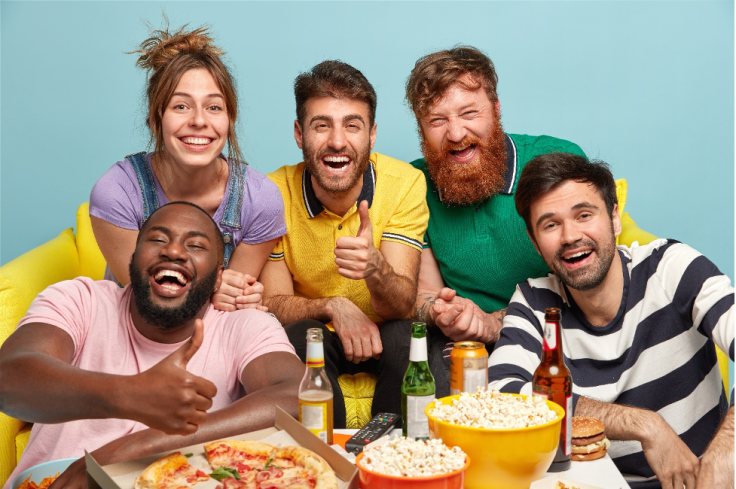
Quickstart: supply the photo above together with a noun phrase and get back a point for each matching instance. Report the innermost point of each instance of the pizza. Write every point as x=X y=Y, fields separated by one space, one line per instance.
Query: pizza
x=243 y=464
x=171 y=472
x=263 y=466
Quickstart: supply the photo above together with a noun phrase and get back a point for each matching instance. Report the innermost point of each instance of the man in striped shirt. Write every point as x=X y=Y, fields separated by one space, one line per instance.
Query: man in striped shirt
x=639 y=327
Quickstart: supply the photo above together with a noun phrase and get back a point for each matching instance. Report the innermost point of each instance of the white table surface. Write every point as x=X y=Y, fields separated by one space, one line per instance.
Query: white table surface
x=600 y=473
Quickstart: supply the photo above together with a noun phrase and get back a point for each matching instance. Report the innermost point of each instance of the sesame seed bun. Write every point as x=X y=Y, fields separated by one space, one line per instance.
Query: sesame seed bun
x=585 y=426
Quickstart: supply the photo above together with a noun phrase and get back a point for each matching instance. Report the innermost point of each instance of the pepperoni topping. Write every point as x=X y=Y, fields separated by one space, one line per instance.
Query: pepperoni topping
x=242 y=468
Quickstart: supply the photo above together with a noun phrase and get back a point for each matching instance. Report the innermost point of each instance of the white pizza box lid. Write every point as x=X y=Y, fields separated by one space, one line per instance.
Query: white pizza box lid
x=286 y=431
x=550 y=482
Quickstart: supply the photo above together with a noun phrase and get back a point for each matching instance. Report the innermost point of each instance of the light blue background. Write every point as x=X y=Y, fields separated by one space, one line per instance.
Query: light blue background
x=646 y=86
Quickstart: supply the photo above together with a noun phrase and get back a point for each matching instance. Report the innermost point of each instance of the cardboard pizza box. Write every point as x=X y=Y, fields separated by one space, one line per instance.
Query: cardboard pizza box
x=286 y=431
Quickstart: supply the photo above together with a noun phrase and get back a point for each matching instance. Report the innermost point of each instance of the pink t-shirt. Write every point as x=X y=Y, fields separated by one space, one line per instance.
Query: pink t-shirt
x=96 y=316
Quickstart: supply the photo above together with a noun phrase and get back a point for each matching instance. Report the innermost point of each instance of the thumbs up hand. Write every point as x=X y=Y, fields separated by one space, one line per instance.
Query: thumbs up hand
x=357 y=258
x=167 y=397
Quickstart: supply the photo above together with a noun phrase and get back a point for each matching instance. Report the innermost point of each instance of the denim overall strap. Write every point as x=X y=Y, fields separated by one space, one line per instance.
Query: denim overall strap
x=146 y=183
x=231 y=216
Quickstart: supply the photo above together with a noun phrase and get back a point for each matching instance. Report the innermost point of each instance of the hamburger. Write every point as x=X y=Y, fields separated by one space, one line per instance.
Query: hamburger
x=589 y=440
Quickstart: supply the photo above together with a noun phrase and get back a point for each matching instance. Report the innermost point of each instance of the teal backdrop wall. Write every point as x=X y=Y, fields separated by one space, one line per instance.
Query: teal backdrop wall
x=645 y=86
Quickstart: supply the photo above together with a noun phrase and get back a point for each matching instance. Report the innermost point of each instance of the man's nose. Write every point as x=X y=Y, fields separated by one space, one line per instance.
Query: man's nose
x=456 y=130
x=571 y=232
x=174 y=251
x=337 y=138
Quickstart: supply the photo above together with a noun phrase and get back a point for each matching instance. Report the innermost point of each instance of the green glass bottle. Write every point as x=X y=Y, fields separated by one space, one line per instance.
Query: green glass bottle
x=417 y=389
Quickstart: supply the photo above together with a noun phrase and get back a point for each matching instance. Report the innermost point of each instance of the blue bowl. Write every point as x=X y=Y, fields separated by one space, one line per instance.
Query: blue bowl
x=41 y=471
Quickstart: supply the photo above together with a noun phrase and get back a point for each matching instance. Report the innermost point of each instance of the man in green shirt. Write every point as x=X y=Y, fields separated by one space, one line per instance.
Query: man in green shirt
x=476 y=248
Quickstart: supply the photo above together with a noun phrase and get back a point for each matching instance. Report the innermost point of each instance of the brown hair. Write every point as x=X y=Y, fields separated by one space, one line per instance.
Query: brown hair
x=436 y=72
x=546 y=172
x=335 y=79
x=167 y=57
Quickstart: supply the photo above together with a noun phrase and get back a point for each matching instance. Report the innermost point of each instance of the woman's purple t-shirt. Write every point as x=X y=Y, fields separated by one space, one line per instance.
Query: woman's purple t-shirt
x=116 y=198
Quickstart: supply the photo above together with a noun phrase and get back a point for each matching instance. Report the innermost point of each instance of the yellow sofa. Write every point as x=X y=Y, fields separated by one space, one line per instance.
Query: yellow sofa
x=69 y=255
x=64 y=257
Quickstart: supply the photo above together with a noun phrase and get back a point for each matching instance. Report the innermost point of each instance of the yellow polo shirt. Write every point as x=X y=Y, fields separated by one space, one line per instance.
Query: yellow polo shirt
x=396 y=194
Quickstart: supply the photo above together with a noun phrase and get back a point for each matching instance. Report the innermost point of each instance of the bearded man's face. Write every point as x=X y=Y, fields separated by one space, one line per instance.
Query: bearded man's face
x=464 y=145
x=336 y=139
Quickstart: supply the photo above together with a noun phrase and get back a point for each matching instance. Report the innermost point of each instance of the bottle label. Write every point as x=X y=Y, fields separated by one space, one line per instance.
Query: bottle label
x=417 y=425
x=315 y=354
x=314 y=417
x=568 y=425
x=550 y=336
x=418 y=350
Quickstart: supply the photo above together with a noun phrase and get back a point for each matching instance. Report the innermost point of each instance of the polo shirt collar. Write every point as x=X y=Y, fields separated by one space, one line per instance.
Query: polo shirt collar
x=315 y=207
x=511 y=167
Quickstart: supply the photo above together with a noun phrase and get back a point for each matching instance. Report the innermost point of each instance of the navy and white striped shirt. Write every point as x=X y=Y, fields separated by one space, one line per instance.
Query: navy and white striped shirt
x=656 y=354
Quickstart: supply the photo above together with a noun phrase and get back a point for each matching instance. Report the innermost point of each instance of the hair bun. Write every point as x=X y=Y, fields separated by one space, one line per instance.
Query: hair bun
x=162 y=46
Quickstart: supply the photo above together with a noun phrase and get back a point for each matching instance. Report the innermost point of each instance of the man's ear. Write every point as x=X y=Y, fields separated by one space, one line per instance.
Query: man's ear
x=533 y=242
x=498 y=105
x=616 y=219
x=298 y=135
x=218 y=282
x=373 y=135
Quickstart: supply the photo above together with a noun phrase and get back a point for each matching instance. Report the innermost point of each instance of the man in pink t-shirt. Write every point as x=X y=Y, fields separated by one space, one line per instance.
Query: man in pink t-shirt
x=123 y=372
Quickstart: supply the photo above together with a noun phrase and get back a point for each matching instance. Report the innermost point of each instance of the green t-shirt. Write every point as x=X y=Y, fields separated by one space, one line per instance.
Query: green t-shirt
x=483 y=250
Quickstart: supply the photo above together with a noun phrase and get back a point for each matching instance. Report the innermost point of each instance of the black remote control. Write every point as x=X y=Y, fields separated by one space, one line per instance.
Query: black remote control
x=381 y=424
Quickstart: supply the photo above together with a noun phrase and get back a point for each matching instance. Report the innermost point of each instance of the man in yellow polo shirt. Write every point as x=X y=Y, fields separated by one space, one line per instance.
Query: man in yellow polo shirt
x=355 y=223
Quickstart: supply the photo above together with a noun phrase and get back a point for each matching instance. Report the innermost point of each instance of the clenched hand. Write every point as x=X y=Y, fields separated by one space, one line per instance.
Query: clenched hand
x=359 y=335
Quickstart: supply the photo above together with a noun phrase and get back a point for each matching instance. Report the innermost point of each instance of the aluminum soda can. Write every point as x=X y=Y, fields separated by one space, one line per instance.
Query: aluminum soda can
x=468 y=367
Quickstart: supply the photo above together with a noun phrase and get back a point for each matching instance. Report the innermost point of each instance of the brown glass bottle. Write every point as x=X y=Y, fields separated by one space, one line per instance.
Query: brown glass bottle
x=552 y=381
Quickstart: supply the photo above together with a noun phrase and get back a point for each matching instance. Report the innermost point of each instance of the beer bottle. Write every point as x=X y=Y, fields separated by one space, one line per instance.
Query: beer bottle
x=417 y=389
x=315 y=391
x=552 y=381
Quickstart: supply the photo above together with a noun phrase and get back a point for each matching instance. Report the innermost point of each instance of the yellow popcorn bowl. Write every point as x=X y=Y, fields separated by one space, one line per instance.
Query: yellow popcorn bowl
x=501 y=458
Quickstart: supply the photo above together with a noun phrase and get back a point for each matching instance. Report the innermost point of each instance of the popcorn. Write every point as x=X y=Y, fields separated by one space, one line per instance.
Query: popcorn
x=413 y=458
x=494 y=410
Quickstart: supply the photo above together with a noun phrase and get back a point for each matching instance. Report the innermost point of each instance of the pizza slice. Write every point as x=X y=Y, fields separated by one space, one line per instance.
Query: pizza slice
x=244 y=456
x=170 y=472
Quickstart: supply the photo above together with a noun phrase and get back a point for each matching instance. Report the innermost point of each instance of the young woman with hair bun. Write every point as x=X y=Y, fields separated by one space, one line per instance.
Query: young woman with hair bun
x=192 y=110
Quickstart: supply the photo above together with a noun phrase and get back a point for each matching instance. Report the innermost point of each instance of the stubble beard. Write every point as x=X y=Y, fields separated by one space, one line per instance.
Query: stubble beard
x=594 y=274
x=465 y=184
x=336 y=185
x=169 y=318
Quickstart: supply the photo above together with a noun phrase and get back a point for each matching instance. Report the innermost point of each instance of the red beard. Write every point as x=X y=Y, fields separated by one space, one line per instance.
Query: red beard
x=472 y=182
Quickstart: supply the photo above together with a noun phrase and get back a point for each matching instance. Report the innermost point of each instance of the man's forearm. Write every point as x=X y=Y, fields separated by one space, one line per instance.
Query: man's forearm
x=621 y=422
x=718 y=457
x=30 y=381
x=423 y=306
x=290 y=308
x=392 y=294
x=253 y=412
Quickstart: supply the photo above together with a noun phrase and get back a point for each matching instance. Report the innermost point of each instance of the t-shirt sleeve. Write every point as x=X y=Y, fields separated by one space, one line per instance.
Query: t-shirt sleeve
x=278 y=251
x=517 y=352
x=702 y=294
x=68 y=305
x=255 y=333
x=116 y=198
x=262 y=214
x=409 y=222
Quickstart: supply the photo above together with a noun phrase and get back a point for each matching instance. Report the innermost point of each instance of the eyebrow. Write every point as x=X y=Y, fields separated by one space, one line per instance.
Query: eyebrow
x=327 y=118
x=580 y=205
x=167 y=231
x=184 y=94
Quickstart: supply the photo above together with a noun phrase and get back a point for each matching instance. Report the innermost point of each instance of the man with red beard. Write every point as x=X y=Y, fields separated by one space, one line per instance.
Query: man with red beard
x=355 y=221
x=476 y=249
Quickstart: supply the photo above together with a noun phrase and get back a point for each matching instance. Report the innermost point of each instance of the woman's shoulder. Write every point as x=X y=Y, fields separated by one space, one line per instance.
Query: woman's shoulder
x=116 y=197
x=259 y=185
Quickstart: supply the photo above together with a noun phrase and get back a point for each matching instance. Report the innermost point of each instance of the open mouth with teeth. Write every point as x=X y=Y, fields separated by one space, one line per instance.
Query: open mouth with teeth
x=169 y=282
x=196 y=143
x=336 y=164
x=464 y=154
x=576 y=258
